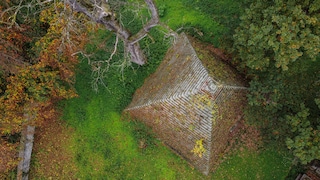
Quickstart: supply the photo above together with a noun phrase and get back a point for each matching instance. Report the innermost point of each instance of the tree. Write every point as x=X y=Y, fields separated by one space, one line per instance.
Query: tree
x=11 y=46
x=33 y=77
x=53 y=62
x=278 y=45
x=39 y=43
x=43 y=77
x=277 y=33
x=102 y=12
x=306 y=140
x=108 y=14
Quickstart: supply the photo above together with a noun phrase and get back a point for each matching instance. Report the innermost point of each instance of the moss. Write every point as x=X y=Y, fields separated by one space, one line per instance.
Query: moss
x=218 y=70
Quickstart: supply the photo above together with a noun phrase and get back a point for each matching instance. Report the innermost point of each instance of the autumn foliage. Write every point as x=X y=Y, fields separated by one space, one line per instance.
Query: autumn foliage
x=11 y=46
x=32 y=84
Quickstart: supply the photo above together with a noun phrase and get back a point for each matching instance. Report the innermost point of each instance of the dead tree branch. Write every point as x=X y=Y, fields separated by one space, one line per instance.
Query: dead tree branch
x=102 y=13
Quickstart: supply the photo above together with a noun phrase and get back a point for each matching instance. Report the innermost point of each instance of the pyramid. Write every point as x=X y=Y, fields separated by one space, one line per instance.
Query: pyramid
x=192 y=102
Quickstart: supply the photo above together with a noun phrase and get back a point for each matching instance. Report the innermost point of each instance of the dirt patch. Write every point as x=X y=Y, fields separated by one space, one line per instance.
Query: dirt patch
x=220 y=54
x=244 y=136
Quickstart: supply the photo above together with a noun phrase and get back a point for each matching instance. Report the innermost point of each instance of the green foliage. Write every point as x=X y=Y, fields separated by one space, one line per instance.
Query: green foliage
x=277 y=45
x=305 y=144
x=278 y=33
x=162 y=10
x=276 y=95
x=295 y=170
x=143 y=134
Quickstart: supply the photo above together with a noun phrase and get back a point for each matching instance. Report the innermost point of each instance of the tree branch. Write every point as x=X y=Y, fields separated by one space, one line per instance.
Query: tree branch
x=154 y=21
x=112 y=24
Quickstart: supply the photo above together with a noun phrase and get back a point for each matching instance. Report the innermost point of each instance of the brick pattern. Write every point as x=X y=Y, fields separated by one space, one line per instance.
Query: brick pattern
x=183 y=103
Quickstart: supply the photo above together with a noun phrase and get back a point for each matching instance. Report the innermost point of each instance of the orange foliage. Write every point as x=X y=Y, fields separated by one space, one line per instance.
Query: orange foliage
x=32 y=89
x=8 y=159
x=12 y=41
x=64 y=37
x=41 y=83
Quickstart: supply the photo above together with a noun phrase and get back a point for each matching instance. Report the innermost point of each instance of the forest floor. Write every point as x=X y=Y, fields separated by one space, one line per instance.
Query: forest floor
x=52 y=156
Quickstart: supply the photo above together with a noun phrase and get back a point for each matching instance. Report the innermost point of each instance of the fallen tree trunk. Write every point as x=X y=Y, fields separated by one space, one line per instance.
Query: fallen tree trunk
x=26 y=145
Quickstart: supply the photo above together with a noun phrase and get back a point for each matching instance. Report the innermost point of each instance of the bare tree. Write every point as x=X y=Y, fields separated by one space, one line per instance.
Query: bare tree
x=102 y=12
x=77 y=15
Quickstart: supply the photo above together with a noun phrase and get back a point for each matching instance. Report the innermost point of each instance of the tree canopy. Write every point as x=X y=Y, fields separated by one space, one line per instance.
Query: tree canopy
x=277 y=33
x=278 y=45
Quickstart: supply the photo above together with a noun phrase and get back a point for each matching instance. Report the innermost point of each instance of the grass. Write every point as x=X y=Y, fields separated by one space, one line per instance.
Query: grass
x=210 y=21
x=246 y=164
x=177 y=15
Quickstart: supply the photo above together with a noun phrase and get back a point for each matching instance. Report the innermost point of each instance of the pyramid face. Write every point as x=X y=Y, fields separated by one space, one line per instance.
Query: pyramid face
x=184 y=105
x=180 y=75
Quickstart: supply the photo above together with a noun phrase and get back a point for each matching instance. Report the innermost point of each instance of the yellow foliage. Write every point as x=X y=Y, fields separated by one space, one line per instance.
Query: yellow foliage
x=198 y=148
